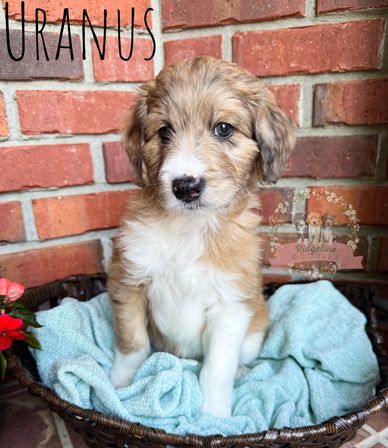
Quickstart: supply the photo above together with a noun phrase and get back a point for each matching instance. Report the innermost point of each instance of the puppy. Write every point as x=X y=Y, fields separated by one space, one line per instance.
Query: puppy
x=301 y=227
x=314 y=221
x=185 y=272
x=327 y=235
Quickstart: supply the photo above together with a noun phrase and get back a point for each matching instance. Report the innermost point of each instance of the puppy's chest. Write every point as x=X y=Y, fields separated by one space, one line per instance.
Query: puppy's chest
x=181 y=287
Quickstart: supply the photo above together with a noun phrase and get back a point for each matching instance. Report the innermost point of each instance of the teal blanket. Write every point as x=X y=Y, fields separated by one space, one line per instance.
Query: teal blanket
x=316 y=362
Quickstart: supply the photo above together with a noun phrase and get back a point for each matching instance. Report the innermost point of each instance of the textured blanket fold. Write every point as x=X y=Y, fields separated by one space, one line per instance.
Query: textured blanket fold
x=316 y=362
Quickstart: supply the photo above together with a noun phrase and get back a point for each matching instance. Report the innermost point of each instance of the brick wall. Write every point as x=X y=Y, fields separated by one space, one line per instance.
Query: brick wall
x=64 y=179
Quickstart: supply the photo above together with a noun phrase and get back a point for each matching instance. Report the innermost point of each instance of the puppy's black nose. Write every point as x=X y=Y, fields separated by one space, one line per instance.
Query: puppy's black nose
x=188 y=188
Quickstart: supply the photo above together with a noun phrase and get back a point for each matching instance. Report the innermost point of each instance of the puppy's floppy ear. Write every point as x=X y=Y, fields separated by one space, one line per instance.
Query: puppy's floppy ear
x=274 y=132
x=133 y=133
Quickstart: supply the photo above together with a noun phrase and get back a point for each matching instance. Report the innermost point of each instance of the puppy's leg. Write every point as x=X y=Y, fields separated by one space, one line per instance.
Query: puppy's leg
x=132 y=341
x=254 y=338
x=222 y=340
x=251 y=347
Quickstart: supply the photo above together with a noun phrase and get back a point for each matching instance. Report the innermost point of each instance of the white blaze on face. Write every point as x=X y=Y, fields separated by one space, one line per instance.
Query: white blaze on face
x=179 y=164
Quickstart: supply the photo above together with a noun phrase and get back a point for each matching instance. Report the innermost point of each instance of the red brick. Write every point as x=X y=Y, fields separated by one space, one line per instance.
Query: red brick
x=71 y=215
x=324 y=157
x=194 y=13
x=383 y=254
x=113 y=68
x=340 y=5
x=11 y=222
x=72 y=112
x=54 y=10
x=351 y=102
x=117 y=165
x=25 y=167
x=288 y=99
x=3 y=118
x=32 y=68
x=369 y=201
x=270 y=198
x=175 y=50
x=338 y=47
x=44 y=265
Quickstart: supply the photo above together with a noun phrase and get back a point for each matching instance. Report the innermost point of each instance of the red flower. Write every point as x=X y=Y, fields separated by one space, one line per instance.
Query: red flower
x=10 y=329
x=10 y=289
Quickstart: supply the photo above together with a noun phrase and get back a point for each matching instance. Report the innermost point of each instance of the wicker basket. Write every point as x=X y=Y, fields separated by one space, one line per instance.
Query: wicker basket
x=101 y=431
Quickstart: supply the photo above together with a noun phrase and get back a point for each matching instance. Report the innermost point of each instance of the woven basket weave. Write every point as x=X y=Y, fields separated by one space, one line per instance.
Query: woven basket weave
x=98 y=430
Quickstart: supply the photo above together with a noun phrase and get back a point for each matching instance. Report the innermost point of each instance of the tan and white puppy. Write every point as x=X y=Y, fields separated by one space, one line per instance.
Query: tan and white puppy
x=314 y=221
x=185 y=272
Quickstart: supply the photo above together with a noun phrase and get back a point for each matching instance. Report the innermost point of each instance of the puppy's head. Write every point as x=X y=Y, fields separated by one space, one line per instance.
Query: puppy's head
x=204 y=132
x=328 y=220
x=314 y=218
x=300 y=221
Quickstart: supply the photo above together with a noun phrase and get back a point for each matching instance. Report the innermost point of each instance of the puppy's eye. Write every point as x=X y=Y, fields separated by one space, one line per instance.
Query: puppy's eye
x=165 y=133
x=223 y=130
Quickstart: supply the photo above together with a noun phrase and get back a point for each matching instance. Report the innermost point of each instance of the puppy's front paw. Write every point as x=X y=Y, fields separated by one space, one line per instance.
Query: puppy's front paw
x=124 y=368
x=217 y=400
x=217 y=407
x=121 y=374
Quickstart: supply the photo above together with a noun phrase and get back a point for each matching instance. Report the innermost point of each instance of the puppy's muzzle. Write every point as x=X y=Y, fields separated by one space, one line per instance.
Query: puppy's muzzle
x=188 y=188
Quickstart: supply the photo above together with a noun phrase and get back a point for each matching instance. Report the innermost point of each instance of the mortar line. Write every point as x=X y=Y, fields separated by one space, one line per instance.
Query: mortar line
x=106 y=244
x=381 y=168
x=384 y=49
x=69 y=84
x=157 y=32
x=87 y=63
x=90 y=235
x=12 y=113
x=306 y=105
x=226 y=45
x=75 y=190
x=273 y=25
x=98 y=163
x=59 y=139
x=30 y=228
x=85 y=84
x=310 y=11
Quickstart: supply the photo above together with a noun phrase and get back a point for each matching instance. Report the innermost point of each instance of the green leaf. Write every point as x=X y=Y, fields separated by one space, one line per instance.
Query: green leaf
x=32 y=341
x=3 y=365
x=27 y=316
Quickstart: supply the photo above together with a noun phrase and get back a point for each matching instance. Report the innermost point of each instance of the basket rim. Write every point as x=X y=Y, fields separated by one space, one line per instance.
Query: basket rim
x=331 y=427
